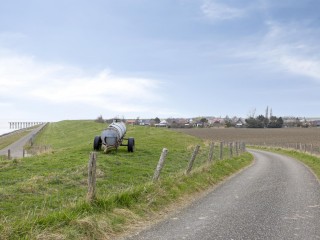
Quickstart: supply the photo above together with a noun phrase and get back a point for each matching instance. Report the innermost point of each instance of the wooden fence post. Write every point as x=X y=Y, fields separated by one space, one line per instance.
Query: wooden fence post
x=32 y=140
x=221 y=150
x=231 y=149
x=243 y=147
x=195 y=152
x=305 y=147
x=237 y=148
x=9 y=154
x=211 y=152
x=92 y=165
x=160 y=165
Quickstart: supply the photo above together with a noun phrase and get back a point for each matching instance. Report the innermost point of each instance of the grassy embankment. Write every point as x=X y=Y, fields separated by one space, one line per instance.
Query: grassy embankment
x=43 y=197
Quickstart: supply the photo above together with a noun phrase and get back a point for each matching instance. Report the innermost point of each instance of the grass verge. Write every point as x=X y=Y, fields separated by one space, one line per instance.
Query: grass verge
x=109 y=216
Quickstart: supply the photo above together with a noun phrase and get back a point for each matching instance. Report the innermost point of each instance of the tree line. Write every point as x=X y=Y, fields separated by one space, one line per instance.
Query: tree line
x=263 y=122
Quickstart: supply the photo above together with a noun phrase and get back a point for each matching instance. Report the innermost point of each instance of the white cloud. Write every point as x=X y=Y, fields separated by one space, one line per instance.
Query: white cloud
x=98 y=88
x=217 y=11
x=292 y=46
x=289 y=47
x=106 y=92
x=19 y=71
x=301 y=66
x=5 y=104
x=23 y=77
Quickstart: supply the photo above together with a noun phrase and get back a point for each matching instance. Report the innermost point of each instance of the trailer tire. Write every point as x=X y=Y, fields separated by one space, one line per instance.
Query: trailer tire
x=97 y=143
x=131 y=145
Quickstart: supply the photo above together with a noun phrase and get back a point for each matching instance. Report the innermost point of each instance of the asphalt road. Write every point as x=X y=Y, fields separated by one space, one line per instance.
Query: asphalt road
x=16 y=148
x=276 y=198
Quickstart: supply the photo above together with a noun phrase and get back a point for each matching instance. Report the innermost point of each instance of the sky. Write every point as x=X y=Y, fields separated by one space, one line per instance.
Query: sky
x=79 y=59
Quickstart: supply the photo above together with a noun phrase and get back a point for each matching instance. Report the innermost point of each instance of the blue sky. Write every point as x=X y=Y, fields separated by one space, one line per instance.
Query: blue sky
x=76 y=59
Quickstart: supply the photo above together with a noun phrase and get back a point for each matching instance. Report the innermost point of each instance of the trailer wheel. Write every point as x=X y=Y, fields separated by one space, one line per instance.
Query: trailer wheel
x=130 y=144
x=97 y=143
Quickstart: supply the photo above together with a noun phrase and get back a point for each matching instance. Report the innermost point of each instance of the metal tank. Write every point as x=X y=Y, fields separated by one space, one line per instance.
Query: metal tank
x=112 y=137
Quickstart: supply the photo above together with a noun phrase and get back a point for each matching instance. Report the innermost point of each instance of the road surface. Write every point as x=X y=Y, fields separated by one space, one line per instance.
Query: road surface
x=276 y=198
x=16 y=148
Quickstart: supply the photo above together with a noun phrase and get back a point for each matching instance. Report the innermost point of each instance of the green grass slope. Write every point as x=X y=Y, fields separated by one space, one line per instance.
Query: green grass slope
x=43 y=197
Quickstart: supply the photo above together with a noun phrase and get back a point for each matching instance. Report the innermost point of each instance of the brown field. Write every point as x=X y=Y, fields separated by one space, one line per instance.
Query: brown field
x=282 y=136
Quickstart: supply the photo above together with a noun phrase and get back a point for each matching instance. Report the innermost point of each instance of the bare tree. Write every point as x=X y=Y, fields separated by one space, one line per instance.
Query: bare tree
x=252 y=113
x=99 y=119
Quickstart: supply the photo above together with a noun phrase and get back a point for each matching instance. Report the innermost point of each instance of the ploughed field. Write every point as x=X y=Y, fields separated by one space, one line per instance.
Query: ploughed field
x=260 y=136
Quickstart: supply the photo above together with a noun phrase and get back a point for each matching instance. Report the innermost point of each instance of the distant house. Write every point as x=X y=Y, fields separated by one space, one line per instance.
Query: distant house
x=163 y=123
x=198 y=124
x=291 y=122
x=316 y=123
x=182 y=122
x=145 y=122
x=215 y=122
x=178 y=123
x=131 y=121
x=240 y=123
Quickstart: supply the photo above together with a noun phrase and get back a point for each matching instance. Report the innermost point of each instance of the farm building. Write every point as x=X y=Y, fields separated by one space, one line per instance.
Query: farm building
x=240 y=123
x=131 y=121
x=145 y=122
x=163 y=123
x=315 y=123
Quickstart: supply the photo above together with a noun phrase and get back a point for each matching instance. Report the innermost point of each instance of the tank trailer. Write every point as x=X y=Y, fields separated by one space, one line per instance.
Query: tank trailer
x=112 y=137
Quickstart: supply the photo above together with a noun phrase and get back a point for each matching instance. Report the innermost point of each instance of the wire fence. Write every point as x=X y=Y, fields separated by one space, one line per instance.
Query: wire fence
x=309 y=148
x=34 y=193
